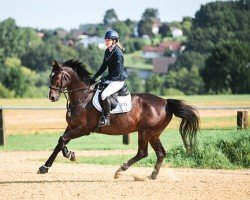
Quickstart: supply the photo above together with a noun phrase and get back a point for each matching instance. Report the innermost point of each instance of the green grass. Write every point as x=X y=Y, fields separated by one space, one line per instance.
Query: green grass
x=136 y=61
x=40 y=142
x=217 y=149
x=216 y=100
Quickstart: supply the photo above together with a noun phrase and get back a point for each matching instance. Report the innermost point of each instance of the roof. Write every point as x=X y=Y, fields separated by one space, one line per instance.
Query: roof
x=149 y=48
x=171 y=45
x=161 y=65
x=162 y=47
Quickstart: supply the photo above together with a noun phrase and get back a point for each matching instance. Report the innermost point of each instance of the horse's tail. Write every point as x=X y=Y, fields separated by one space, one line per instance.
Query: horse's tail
x=189 y=125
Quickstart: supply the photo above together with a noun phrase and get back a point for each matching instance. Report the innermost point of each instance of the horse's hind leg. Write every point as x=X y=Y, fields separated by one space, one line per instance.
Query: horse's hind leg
x=160 y=153
x=141 y=153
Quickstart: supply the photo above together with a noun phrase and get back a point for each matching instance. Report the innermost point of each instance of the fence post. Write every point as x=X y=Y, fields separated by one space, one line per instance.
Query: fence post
x=126 y=139
x=242 y=120
x=2 y=130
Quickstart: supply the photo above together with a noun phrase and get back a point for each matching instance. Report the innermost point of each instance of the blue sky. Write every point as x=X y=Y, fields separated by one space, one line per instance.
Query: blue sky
x=69 y=14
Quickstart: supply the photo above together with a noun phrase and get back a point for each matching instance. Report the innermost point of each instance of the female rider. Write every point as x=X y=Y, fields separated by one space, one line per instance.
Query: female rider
x=113 y=60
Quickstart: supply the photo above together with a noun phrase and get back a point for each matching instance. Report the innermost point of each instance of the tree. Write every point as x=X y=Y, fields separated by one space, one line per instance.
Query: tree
x=150 y=13
x=164 y=30
x=131 y=25
x=189 y=59
x=92 y=57
x=135 y=83
x=15 y=40
x=123 y=30
x=186 y=25
x=145 y=28
x=214 y=23
x=145 y=25
x=228 y=68
x=187 y=81
x=49 y=50
x=15 y=79
x=110 y=17
x=154 y=84
x=217 y=21
x=9 y=38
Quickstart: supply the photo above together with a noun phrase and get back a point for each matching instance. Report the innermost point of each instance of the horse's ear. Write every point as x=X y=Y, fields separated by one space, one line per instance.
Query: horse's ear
x=55 y=65
x=52 y=62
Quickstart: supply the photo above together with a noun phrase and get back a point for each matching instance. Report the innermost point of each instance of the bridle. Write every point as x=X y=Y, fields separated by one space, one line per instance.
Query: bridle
x=64 y=90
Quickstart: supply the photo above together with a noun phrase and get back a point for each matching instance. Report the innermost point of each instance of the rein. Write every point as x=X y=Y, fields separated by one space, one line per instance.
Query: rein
x=65 y=92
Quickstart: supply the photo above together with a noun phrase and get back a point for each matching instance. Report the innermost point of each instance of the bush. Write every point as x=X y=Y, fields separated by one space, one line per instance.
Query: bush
x=222 y=151
x=237 y=149
x=5 y=93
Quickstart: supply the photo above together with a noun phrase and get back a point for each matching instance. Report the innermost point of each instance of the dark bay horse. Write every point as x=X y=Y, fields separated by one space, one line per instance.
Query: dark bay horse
x=149 y=116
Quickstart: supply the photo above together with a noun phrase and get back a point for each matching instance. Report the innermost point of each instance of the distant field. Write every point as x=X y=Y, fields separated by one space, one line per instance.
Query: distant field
x=135 y=60
x=196 y=100
x=51 y=121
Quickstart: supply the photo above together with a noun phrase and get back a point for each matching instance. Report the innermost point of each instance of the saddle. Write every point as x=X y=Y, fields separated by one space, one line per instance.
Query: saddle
x=120 y=100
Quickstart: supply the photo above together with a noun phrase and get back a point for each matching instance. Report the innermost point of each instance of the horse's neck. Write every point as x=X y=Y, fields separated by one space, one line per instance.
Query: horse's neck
x=78 y=90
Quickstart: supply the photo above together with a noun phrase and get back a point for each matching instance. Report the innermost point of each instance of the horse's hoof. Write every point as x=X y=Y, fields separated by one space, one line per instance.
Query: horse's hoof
x=43 y=170
x=118 y=173
x=153 y=176
x=72 y=156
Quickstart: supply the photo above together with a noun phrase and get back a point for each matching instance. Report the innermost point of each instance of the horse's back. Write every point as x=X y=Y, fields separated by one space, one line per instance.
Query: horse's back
x=148 y=99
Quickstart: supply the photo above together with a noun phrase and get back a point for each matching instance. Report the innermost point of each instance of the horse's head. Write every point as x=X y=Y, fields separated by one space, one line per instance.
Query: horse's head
x=70 y=76
x=59 y=79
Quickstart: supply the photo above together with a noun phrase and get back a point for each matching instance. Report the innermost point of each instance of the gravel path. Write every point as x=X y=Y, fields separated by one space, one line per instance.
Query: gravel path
x=19 y=180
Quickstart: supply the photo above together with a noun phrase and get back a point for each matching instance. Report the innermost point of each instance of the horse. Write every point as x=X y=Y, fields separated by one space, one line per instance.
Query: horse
x=149 y=116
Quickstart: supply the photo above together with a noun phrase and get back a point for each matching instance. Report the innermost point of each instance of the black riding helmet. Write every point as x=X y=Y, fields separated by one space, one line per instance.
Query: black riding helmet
x=111 y=35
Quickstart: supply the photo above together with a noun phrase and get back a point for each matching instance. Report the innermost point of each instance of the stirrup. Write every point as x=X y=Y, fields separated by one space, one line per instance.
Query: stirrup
x=103 y=121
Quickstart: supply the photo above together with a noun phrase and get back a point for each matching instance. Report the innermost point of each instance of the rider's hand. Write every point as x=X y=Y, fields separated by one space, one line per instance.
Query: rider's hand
x=103 y=79
x=92 y=81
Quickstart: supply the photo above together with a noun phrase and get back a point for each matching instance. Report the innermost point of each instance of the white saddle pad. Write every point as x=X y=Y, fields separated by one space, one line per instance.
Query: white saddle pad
x=124 y=103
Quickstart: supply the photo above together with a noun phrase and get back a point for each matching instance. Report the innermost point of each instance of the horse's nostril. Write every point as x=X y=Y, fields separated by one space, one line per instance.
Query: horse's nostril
x=52 y=98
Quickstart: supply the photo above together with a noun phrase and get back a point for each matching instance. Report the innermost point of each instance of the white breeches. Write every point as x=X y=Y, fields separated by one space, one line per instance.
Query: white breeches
x=113 y=87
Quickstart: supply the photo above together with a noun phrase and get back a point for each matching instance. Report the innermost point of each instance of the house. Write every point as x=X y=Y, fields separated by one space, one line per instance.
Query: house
x=161 y=65
x=153 y=51
x=171 y=45
x=176 y=32
x=159 y=50
x=86 y=41
x=156 y=25
x=61 y=32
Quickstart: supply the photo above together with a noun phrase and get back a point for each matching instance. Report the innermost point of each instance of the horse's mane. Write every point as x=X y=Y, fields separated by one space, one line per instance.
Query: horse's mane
x=79 y=68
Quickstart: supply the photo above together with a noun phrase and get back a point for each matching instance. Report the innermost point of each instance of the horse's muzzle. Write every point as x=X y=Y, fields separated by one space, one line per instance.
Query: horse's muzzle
x=53 y=95
x=53 y=98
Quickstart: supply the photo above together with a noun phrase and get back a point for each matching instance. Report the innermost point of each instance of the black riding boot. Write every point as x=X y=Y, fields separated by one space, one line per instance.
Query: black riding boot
x=104 y=120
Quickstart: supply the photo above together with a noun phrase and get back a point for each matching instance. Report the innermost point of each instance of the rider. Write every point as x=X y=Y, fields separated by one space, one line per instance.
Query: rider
x=113 y=60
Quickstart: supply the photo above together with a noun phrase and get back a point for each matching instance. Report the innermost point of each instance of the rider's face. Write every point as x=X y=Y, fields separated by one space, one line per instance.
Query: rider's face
x=108 y=42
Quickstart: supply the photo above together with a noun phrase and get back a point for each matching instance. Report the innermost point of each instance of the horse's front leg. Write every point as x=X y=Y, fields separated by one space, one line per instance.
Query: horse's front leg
x=66 y=153
x=63 y=140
